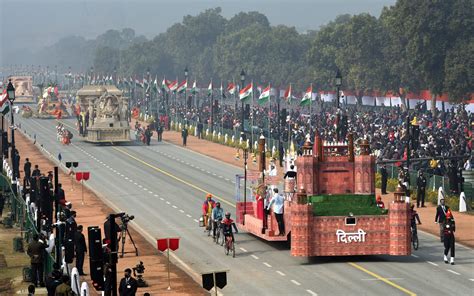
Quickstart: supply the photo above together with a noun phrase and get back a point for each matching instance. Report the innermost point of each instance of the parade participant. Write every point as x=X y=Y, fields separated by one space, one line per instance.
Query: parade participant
x=277 y=202
x=128 y=285
x=380 y=203
x=420 y=192
x=414 y=217
x=227 y=225
x=148 y=135
x=184 y=135
x=160 y=131
x=449 y=240
x=217 y=216
x=207 y=207
x=440 y=217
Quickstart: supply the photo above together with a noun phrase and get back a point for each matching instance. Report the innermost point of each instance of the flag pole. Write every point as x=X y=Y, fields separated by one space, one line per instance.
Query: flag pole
x=251 y=111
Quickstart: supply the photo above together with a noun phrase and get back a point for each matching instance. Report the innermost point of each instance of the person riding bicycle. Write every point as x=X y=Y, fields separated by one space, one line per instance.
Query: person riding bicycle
x=207 y=207
x=217 y=216
x=414 y=217
x=227 y=225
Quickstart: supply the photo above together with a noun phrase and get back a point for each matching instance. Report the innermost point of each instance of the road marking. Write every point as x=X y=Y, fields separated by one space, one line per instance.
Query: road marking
x=472 y=280
x=388 y=282
x=280 y=273
x=144 y=189
x=227 y=179
x=432 y=263
x=254 y=257
x=452 y=271
x=312 y=293
x=168 y=202
x=140 y=186
x=196 y=221
x=372 y=279
x=126 y=178
x=413 y=255
x=189 y=216
x=151 y=192
x=172 y=176
x=181 y=211
x=162 y=198
x=266 y=264
x=156 y=195
x=135 y=183
x=295 y=282
x=174 y=206
x=243 y=250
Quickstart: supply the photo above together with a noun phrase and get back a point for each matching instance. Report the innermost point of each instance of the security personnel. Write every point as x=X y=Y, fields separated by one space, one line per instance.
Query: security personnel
x=420 y=192
x=384 y=175
x=128 y=285
x=449 y=241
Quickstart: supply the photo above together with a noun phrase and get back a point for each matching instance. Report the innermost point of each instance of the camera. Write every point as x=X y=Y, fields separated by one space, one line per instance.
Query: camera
x=126 y=218
x=138 y=271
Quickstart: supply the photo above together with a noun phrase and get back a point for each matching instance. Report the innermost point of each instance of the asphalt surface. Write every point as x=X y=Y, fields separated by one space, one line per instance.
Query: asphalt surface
x=164 y=185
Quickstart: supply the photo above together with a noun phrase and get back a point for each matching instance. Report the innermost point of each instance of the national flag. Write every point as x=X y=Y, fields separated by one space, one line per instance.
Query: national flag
x=173 y=85
x=155 y=85
x=194 y=89
x=246 y=92
x=209 y=89
x=164 y=85
x=182 y=86
x=264 y=96
x=287 y=95
x=4 y=103
x=231 y=88
x=308 y=95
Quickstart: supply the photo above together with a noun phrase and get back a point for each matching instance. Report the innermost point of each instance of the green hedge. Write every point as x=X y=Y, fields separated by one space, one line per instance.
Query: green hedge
x=342 y=205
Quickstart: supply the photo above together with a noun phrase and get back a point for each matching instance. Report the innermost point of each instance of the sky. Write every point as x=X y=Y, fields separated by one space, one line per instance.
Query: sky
x=33 y=24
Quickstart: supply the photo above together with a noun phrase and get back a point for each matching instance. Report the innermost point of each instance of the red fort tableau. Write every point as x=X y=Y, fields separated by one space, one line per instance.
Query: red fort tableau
x=331 y=210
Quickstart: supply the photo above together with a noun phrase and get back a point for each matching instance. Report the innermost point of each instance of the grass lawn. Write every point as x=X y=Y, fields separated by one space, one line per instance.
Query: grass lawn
x=342 y=205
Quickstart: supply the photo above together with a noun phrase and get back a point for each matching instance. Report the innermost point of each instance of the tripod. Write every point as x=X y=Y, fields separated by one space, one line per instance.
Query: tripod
x=123 y=236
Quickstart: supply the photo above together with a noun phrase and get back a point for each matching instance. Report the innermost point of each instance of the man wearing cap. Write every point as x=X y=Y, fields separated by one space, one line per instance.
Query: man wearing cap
x=448 y=232
x=128 y=285
x=420 y=192
x=441 y=217
x=81 y=249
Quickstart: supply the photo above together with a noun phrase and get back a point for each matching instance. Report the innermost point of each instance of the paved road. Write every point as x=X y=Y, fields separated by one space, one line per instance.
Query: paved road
x=163 y=185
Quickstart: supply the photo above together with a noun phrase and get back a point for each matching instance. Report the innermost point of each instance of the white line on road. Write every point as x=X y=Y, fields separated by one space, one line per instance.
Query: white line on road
x=196 y=221
x=175 y=207
x=162 y=198
x=126 y=178
x=266 y=264
x=227 y=179
x=144 y=189
x=432 y=263
x=156 y=195
x=168 y=202
x=189 y=216
x=472 y=280
x=181 y=211
x=280 y=273
x=254 y=257
x=312 y=293
x=374 y=279
x=452 y=271
x=243 y=250
x=140 y=186
x=130 y=180
x=295 y=282
x=413 y=255
x=135 y=183
x=151 y=192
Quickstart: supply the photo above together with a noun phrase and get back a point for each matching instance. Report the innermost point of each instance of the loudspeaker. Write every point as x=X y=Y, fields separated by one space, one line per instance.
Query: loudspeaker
x=95 y=243
x=97 y=274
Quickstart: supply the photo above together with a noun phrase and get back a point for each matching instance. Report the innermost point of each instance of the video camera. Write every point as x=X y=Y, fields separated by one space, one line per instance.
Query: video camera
x=125 y=218
x=138 y=271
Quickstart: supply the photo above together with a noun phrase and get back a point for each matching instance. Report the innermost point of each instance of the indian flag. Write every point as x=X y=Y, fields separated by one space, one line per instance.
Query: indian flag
x=164 y=84
x=231 y=88
x=4 y=103
x=173 y=85
x=246 y=92
x=194 y=89
x=306 y=100
x=182 y=86
x=209 y=89
x=264 y=96
x=287 y=95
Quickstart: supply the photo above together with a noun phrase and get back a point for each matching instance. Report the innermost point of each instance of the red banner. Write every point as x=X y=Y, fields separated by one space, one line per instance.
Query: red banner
x=162 y=244
x=86 y=175
x=174 y=244
x=78 y=176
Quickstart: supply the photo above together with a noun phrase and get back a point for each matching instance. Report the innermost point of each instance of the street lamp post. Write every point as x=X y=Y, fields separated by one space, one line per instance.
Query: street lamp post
x=186 y=72
x=242 y=82
x=147 y=92
x=338 y=85
x=11 y=98
x=246 y=154
x=92 y=73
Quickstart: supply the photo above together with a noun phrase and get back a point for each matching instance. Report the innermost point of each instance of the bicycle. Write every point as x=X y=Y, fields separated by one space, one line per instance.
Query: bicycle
x=219 y=239
x=414 y=236
x=229 y=245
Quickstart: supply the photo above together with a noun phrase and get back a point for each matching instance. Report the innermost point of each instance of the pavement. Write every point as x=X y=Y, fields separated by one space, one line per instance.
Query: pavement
x=164 y=184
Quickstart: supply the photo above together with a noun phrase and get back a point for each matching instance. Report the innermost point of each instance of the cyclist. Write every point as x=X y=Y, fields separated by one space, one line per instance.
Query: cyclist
x=207 y=207
x=414 y=217
x=227 y=225
x=217 y=216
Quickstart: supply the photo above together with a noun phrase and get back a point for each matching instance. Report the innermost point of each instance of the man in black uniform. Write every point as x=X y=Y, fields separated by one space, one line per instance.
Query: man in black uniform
x=27 y=170
x=184 y=135
x=420 y=192
x=128 y=285
x=383 y=173
x=81 y=249
x=440 y=217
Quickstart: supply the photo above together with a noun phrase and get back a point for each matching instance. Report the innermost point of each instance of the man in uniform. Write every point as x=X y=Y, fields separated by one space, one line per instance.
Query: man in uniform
x=184 y=135
x=383 y=173
x=420 y=192
x=128 y=285
x=81 y=249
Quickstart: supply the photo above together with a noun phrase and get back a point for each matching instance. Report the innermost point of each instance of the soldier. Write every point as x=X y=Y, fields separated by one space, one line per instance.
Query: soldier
x=184 y=135
x=383 y=173
x=420 y=192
